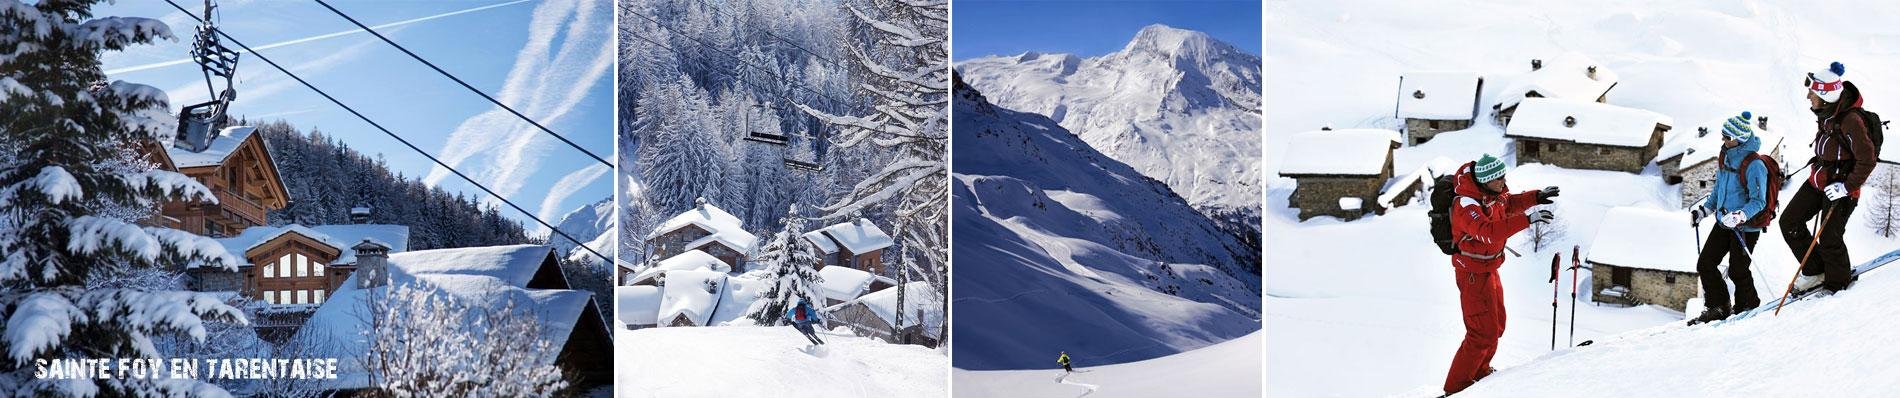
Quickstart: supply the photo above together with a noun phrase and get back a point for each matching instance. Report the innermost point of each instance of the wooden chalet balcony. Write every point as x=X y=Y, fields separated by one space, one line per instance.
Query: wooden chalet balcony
x=246 y=209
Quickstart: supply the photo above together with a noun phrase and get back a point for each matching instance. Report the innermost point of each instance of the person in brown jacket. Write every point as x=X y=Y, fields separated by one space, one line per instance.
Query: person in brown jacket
x=1844 y=155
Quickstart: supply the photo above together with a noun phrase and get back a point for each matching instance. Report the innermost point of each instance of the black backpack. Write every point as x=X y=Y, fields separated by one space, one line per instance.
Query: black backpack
x=1876 y=129
x=1443 y=195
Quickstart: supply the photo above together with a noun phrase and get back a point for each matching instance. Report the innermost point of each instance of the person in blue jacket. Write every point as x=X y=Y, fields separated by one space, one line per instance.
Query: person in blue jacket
x=1740 y=201
x=802 y=316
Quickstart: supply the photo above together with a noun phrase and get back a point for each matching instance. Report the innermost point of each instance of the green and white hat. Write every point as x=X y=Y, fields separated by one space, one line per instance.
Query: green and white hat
x=1488 y=168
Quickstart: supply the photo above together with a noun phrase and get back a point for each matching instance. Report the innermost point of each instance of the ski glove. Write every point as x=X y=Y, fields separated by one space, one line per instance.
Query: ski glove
x=1733 y=219
x=1543 y=216
x=1835 y=191
x=1696 y=214
x=1544 y=195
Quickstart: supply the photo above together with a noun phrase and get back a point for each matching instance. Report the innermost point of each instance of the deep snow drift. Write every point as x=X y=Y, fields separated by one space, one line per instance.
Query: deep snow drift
x=1059 y=247
x=1376 y=296
x=1228 y=369
x=747 y=361
x=1177 y=105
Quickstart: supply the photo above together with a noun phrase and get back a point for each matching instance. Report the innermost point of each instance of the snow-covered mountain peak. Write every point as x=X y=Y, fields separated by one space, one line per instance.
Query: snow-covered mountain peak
x=1173 y=41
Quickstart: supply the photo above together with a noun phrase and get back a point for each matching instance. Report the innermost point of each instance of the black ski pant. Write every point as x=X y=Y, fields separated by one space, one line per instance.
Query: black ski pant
x=1066 y=368
x=1830 y=257
x=1724 y=242
x=805 y=329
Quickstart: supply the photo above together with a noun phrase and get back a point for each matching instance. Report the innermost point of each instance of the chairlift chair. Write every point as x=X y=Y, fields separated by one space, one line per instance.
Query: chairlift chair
x=198 y=123
x=801 y=165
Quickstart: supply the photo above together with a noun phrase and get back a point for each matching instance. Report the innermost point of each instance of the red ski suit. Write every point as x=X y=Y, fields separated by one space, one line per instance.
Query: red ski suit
x=1481 y=222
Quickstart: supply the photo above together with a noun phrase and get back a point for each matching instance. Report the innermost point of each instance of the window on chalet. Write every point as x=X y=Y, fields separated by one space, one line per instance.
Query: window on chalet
x=303 y=265
x=270 y=297
x=303 y=297
x=318 y=294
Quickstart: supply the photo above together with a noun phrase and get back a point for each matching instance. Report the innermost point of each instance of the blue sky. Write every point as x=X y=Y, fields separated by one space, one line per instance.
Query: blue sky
x=551 y=60
x=1089 y=28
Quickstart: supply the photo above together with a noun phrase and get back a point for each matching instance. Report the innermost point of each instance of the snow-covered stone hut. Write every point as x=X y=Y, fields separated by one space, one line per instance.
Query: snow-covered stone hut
x=1688 y=158
x=1331 y=165
x=843 y=284
x=1569 y=76
x=706 y=228
x=874 y=314
x=527 y=275
x=1436 y=102
x=637 y=307
x=706 y=298
x=1587 y=135
x=1643 y=256
x=857 y=244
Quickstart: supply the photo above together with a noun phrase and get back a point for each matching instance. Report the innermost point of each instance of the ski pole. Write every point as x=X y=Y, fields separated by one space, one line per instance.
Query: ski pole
x=1743 y=243
x=1554 y=260
x=1576 y=261
x=1825 y=216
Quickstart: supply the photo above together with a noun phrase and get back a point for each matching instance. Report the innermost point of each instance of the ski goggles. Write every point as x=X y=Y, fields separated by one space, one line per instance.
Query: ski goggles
x=1824 y=87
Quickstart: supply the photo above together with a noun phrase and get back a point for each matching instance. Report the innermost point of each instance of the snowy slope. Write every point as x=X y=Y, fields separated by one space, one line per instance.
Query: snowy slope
x=1177 y=105
x=1228 y=369
x=593 y=222
x=1060 y=247
x=1397 y=304
x=745 y=361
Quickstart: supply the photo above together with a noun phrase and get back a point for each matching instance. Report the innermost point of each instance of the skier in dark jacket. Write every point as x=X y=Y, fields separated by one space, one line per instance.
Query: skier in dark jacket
x=1064 y=360
x=1741 y=193
x=802 y=316
x=1485 y=214
x=1844 y=156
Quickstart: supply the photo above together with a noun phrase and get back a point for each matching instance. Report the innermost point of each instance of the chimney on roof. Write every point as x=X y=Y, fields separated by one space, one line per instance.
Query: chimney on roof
x=1591 y=71
x=372 y=264
x=1419 y=94
x=361 y=213
x=1570 y=121
x=1761 y=122
x=1537 y=64
x=699 y=202
x=1702 y=131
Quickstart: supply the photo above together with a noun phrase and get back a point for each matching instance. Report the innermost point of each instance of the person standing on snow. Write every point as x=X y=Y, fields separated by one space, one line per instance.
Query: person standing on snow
x=1844 y=156
x=1484 y=216
x=1064 y=360
x=1740 y=195
x=802 y=316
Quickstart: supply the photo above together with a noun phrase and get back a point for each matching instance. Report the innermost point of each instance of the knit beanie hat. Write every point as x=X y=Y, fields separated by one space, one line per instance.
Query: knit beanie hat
x=1488 y=168
x=1739 y=128
x=1827 y=83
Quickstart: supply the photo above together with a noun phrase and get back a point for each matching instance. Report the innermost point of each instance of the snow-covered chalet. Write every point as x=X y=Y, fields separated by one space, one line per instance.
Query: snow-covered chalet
x=857 y=244
x=705 y=228
x=1587 y=135
x=236 y=166
x=1643 y=256
x=1339 y=172
x=1569 y=76
x=1436 y=102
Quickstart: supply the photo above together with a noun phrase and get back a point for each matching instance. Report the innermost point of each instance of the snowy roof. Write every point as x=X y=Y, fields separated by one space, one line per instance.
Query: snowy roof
x=637 y=305
x=1645 y=238
x=859 y=237
x=220 y=148
x=514 y=264
x=723 y=227
x=338 y=326
x=1567 y=76
x=1595 y=123
x=686 y=294
x=843 y=283
x=736 y=298
x=1358 y=152
x=918 y=298
x=340 y=237
x=1423 y=175
x=1697 y=149
x=1438 y=95
x=818 y=239
x=691 y=260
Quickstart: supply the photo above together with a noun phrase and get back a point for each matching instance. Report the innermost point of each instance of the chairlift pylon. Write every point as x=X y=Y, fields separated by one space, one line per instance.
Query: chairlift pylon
x=199 y=123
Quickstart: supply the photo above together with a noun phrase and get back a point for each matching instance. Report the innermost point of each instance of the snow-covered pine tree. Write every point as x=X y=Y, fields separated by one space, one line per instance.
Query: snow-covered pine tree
x=791 y=263
x=908 y=79
x=691 y=163
x=63 y=203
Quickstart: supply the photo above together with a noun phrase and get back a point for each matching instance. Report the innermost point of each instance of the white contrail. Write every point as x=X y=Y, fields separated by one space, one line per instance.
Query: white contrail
x=319 y=37
x=566 y=187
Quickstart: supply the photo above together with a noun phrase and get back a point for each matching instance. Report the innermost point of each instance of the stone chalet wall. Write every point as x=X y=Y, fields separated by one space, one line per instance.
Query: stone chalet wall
x=1319 y=196
x=1647 y=286
x=1573 y=155
x=1418 y=131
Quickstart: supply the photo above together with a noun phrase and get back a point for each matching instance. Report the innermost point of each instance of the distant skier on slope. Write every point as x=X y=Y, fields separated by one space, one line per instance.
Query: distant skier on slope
x=1846 y=148
x=1064 y=360
x=802 y=316
x=1486 y=215
x=1741 y=200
